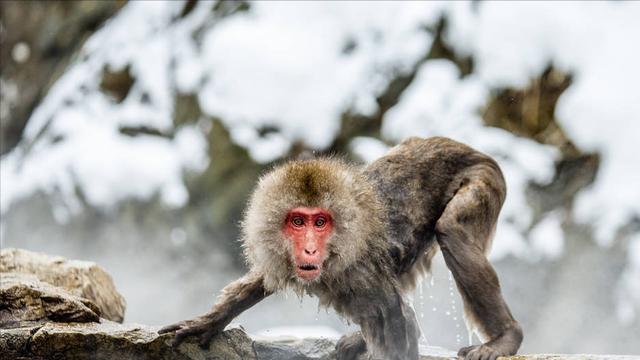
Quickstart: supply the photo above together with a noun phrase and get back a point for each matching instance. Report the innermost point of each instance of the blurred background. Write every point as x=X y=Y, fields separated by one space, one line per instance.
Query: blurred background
x=133 y=132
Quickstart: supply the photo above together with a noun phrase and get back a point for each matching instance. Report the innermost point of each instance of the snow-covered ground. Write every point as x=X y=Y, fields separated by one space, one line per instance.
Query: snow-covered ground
x=297 y=66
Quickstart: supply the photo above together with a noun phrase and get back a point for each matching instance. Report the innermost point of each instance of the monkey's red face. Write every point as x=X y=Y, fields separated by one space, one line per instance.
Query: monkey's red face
x=308 y=229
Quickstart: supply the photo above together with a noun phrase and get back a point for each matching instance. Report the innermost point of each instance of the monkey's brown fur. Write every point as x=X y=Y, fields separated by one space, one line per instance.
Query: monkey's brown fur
x=390 y=218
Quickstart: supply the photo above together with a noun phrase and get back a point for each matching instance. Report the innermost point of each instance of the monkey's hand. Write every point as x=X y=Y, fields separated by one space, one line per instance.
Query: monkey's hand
x=205 y=327
x=350 y=346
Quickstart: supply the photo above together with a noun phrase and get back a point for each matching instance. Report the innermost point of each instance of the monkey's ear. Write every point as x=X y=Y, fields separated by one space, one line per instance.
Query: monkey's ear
x=305 y=155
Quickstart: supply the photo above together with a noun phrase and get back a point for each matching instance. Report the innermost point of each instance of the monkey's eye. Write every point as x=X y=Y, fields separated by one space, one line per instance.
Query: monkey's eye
x=320 y=222
x=297 y=221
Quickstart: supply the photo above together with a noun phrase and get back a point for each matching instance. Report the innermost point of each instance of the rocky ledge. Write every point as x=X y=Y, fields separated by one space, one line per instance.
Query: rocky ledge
x=109 y=340
x=53 y=308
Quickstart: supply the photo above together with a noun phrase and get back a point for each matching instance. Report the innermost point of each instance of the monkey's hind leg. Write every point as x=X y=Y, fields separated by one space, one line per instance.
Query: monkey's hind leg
x=464 y=232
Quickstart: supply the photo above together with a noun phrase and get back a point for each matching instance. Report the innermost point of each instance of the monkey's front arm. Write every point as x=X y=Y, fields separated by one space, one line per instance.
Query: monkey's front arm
x=236 y=298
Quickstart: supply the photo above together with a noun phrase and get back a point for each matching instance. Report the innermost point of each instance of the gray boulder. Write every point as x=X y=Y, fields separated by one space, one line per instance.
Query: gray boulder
x=27 y=299
x=83 y=279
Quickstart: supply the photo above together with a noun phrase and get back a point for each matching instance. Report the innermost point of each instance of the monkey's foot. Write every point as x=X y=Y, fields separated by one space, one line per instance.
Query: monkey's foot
x=479 y=352
x=350 y=346
x=505 y=345
x=204 y=327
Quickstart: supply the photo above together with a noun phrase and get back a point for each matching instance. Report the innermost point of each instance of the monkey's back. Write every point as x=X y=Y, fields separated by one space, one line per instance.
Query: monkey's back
x=415 y=181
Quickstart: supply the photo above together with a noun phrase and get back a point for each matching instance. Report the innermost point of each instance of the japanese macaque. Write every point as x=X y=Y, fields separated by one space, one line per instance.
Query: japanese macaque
x=359 y=238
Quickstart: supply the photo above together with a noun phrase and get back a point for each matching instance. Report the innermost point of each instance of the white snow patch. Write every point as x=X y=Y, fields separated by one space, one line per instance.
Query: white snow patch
x=116 y=168
x=547 y=237
x=368 y=149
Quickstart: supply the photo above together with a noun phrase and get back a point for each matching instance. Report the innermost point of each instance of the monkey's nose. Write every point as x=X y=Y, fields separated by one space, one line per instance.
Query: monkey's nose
x=310 y=252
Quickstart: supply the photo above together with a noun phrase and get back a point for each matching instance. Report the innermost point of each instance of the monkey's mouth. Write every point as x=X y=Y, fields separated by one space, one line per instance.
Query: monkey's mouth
x=308 y=267
x=308 y=271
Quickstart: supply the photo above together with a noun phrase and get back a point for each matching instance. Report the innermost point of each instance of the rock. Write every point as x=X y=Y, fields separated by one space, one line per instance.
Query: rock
x=81 y=341
x=294 y=349
x=80 y=278
x=27 y=299
x=109 y=340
